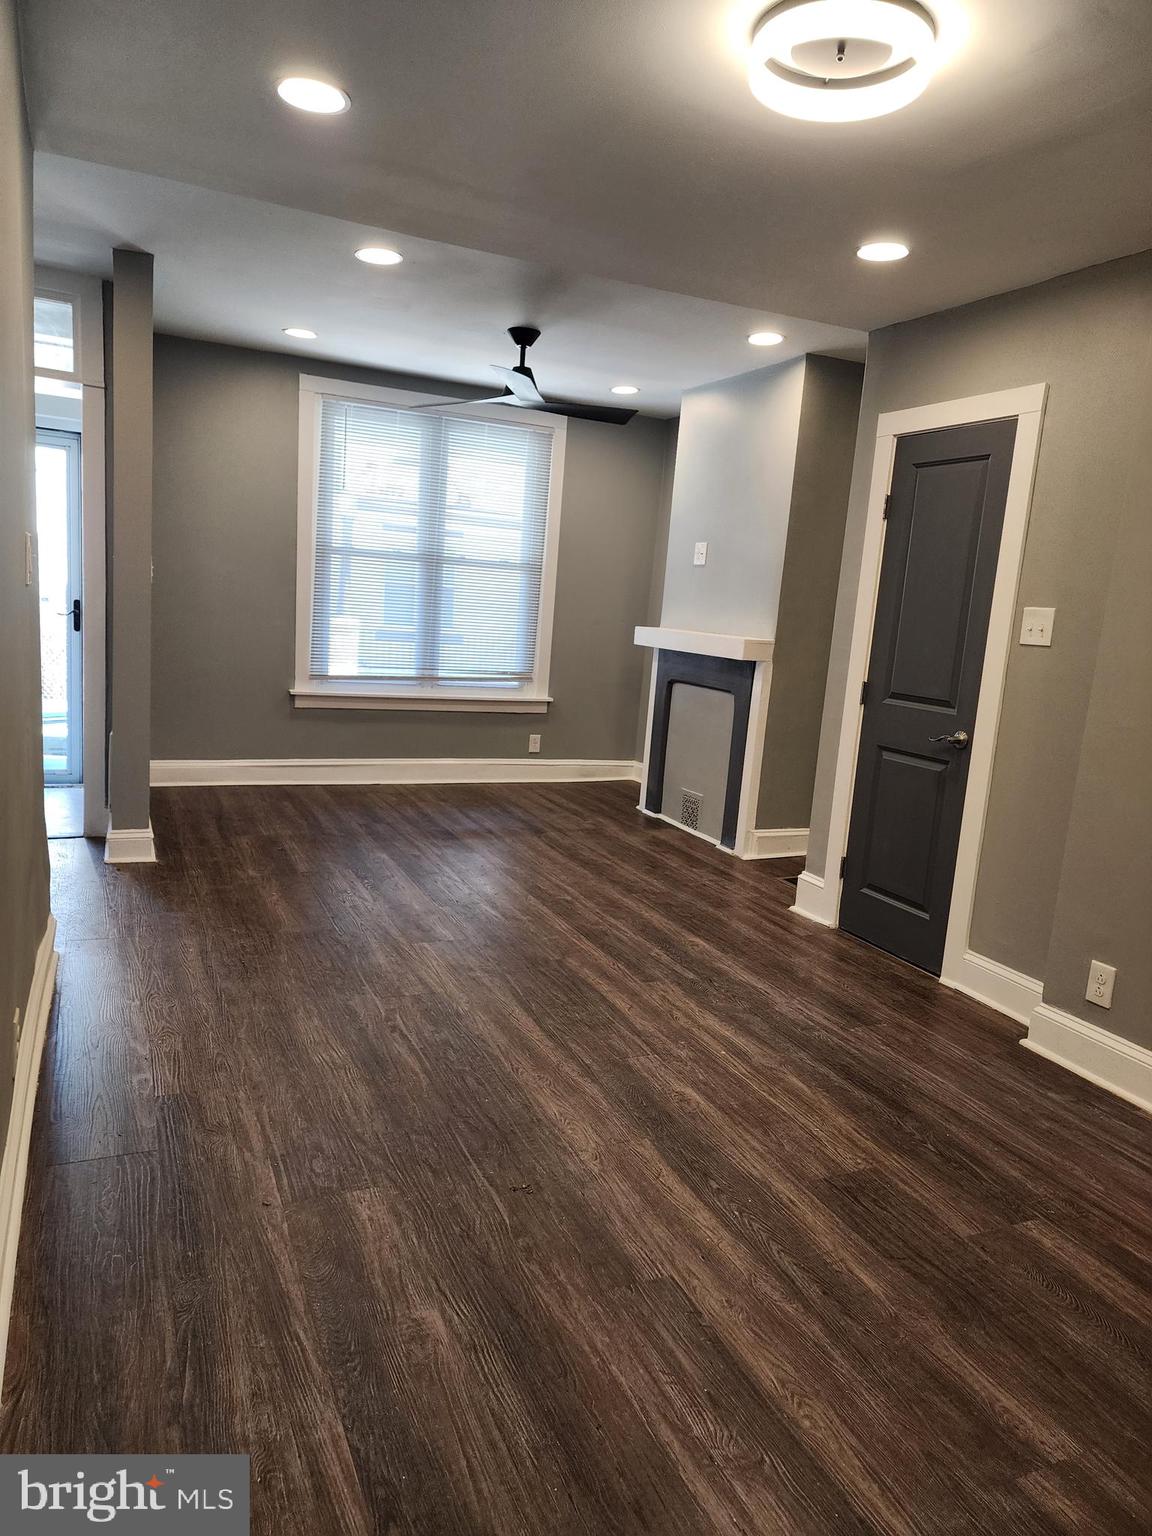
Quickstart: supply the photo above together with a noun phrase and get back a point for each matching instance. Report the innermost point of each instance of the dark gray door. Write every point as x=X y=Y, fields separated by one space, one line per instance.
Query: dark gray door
x=945 y=514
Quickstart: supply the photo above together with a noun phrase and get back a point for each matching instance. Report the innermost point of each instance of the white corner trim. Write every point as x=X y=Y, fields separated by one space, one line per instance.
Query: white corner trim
x=392 y=770
x=815 y=901
x=14 y=1168
x=999 y=986
x=130 y=845
x=776 y=843
x=1097 y=1054
x=701 y=642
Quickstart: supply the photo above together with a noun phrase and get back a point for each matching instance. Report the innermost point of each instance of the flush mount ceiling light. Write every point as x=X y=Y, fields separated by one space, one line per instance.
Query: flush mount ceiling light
x=840 y=61
x=300 y=332
x=313 y=95
x=625 y=389
x=379 y=256
x=765 y=339
x=882 y=250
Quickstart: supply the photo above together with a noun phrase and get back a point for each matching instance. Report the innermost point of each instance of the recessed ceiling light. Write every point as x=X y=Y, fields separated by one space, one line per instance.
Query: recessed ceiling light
x=765 y=339
x=313 y=95
x=625 y=389
x=299 y=332
x=379 y=256
x=882 y=250
x=841 y=61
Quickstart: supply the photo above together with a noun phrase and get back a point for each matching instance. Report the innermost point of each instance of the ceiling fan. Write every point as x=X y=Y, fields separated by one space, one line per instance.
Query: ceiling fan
x=520 y=389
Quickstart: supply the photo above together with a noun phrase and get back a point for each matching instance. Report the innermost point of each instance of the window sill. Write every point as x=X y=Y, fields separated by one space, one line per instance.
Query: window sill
x=486 y=704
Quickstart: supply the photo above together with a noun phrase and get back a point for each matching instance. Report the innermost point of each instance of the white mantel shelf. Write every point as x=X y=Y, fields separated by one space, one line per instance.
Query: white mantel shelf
x=700 y=643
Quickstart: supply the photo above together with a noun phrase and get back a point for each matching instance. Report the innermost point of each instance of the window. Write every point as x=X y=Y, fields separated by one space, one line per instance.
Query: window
x=426 y=552
x=53 y=341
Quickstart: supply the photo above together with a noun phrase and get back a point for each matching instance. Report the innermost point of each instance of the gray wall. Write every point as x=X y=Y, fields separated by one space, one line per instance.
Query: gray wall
x=128 y=374
x=733 y=487
x=1087 y=336
x=225 y=547
x=820 y=486
x=23 y=851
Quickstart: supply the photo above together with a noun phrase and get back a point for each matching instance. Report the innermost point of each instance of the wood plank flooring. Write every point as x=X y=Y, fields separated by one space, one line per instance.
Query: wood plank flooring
x=494 y=1161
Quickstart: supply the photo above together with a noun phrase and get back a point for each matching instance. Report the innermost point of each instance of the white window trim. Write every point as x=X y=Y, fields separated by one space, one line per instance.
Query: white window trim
x=311 y=693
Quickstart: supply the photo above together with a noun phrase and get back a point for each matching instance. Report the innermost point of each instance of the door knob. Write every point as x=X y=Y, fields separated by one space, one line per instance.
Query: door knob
x=957 y=739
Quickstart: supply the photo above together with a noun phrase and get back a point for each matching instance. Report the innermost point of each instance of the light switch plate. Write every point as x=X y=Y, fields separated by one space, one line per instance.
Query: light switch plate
x=1036 y=627
x=700 y=553
x=1101 y=980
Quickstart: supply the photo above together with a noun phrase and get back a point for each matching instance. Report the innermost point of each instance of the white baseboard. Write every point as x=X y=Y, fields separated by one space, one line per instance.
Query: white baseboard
x=1102 y=1057
x=814 y=899
x=999 y=986
x=392 y=770
x=713 y=842
x=129 y=845
x=14 y=1168
x=776 y=843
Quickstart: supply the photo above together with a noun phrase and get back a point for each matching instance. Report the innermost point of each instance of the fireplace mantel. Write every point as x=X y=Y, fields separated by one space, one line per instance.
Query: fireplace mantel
x=699 y=642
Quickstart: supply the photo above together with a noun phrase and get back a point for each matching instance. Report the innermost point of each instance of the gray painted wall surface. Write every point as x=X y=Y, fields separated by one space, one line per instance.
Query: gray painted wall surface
x=820 y=485
x=23 y=850
x=699 y=740
x=128 y=362
x=225 y=549
x=733 y=487
x=1104 y=907
x=1086 y=335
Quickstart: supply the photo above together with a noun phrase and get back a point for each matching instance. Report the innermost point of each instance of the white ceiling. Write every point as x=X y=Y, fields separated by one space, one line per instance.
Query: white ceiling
x=619 y=140
x=233 y=269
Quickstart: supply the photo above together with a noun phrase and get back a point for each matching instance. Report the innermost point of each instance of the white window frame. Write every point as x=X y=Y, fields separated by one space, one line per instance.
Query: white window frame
x=315 y=693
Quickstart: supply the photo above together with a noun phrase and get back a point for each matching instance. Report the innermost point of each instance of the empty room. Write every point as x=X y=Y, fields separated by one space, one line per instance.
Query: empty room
x=575 y=822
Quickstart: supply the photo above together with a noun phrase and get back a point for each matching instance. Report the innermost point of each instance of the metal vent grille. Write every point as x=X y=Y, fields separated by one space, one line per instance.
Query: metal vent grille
x=690 y=809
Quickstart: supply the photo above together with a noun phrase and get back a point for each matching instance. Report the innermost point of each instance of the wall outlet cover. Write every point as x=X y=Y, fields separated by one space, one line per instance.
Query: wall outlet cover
x=1101 y=980
x=534 y=742
x=700 y=553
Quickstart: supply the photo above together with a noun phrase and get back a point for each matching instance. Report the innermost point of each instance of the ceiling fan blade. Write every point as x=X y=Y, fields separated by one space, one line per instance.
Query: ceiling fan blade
x=611 y=415
x=521 y=385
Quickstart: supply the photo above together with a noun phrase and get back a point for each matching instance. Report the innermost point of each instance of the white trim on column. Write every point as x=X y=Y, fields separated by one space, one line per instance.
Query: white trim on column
x=129 y=845
x=1097 y=1054
x=1027 y=405
x=776 y=843
x=753 y=756
x=999 y=986
x=392 y=770
x=14 y=1167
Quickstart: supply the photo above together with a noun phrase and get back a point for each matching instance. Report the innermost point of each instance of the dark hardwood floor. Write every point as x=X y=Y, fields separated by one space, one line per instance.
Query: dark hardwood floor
x=495 y=1162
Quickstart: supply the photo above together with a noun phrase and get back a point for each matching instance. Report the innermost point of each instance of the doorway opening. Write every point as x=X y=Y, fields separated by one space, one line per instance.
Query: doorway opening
x=59 y=538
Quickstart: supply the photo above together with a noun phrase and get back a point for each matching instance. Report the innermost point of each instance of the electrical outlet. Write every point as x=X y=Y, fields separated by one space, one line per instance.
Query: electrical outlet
x=1101 y=980
x=700 y=553
x=534 y=742
x=1036 y=626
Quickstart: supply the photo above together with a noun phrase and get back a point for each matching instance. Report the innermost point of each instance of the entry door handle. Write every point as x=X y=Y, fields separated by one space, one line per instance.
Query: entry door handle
x=957 y=739
x=76 y=612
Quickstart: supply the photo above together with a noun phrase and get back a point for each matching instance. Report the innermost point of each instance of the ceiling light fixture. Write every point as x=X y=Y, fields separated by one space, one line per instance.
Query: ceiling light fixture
x=841 y=61
x=625 y=389
x=379 y=256
x=313 y=95
x=882 y=250
x=299 y=332
x=765 y=339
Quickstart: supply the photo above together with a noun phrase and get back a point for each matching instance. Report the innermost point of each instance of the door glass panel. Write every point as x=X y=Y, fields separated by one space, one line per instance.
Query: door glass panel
x=54 y=344
x=58 y=545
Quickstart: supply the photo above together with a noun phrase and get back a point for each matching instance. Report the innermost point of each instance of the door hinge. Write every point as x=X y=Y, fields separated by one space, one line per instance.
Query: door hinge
x=843 y=865
x=864 y=690
x=887 y=504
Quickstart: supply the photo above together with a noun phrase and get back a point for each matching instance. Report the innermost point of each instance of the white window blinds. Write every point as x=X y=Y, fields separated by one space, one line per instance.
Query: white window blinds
x=430 y=536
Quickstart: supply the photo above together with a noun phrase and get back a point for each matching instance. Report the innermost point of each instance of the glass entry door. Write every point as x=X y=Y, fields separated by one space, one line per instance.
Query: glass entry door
x=61 y=614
